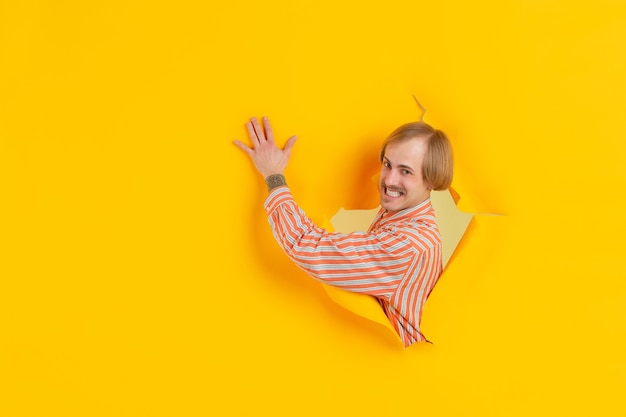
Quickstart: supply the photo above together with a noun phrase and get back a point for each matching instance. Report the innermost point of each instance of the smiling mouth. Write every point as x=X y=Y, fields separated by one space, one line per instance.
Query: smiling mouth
x=392 y=193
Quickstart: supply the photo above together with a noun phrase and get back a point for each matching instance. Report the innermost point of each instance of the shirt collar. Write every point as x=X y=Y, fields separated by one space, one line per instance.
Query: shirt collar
x=425 y=207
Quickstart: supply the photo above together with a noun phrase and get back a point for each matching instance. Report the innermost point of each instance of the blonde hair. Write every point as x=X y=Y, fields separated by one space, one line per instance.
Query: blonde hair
x=437 y=168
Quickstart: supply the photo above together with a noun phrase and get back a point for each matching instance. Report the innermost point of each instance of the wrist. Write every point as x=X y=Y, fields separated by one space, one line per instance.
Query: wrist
x=275 y=180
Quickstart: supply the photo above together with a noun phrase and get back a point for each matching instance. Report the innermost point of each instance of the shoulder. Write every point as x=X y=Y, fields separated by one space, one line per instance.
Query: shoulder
x=422 y=233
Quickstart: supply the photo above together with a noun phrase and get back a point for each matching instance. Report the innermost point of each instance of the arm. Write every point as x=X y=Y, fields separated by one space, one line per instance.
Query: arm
x=369 y=263
x=360 y=262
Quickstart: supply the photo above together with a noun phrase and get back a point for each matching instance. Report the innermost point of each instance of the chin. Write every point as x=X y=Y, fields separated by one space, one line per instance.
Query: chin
x=391 y=205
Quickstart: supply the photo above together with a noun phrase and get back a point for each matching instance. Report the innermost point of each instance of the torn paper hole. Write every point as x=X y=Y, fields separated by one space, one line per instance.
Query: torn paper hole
x=452 y=225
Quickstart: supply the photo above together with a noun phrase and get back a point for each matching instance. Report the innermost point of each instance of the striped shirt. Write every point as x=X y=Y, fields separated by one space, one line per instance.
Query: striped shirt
x=398 y=260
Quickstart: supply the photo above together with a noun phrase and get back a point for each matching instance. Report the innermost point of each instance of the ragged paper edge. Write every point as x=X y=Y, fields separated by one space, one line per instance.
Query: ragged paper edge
x=452 y=223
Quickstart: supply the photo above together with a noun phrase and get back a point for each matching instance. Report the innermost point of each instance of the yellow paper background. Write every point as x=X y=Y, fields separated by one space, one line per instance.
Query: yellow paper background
x=138 y=275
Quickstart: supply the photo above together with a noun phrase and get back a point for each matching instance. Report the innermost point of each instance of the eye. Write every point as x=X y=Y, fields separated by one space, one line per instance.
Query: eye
x=406 y=172
x=386 y=164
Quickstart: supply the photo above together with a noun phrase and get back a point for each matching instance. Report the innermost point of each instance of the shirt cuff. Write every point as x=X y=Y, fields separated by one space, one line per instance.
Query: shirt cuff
x=278 y=196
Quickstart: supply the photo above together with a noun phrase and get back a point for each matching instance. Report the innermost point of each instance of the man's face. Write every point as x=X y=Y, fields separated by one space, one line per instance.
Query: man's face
x=401 y=182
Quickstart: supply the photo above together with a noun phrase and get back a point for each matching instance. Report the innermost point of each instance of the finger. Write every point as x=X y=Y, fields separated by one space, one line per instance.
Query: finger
x=257 y=129
x=243 y=147
x=289 y=144
x=252 y=134
x=269 y=134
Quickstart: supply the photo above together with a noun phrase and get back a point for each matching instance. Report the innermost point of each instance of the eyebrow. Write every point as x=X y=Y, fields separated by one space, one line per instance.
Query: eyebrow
x=401 y=165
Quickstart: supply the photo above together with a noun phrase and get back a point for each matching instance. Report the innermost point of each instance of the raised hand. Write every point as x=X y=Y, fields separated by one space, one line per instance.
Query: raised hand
x=268 y=158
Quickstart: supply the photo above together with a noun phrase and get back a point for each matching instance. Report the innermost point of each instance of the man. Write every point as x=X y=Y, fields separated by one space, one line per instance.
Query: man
x=398 y=260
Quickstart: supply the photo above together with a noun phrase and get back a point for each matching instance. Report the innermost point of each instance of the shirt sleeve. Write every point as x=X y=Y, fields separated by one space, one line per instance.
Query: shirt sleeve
x=369 y=263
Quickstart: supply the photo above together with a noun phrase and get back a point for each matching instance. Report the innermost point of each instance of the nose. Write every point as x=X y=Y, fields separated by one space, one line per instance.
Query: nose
x=391 y=177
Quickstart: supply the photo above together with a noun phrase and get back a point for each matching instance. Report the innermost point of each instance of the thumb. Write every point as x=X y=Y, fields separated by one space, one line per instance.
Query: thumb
x=289 y=144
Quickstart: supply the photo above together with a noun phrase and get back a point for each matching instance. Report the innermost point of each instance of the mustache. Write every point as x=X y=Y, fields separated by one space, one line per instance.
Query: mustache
x=391 y=188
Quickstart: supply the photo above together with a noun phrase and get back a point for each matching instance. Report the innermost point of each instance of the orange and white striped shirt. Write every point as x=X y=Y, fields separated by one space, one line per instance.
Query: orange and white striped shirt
x=398 y=260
